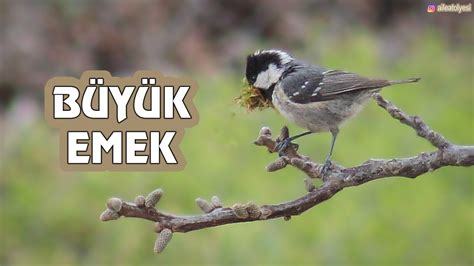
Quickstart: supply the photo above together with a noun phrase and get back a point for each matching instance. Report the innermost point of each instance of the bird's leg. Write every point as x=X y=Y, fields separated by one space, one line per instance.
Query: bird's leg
x=327 y=163
x=284 y=144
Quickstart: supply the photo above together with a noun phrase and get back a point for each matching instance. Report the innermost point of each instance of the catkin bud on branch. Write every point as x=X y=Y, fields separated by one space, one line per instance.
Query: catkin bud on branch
x=153 y=198
x=114 y=204
x=164 y=237
x=109 y=215
x=204 y=205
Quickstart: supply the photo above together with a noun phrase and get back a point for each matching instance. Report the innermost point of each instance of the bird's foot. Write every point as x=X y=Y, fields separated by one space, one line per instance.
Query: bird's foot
x=283 y=145
x=327 y=165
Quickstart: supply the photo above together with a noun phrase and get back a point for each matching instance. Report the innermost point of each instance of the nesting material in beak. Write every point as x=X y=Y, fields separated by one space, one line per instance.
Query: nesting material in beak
x=251 y=98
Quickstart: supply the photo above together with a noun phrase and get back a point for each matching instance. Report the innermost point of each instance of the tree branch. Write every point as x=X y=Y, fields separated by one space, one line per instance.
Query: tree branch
x=334 y=181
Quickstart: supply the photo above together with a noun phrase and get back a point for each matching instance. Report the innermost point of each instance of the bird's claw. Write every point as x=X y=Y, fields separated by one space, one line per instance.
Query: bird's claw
x=327 y=165
x=283 y=145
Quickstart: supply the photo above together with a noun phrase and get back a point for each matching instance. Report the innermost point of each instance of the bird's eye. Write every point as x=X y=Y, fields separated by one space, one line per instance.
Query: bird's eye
x=254 y=78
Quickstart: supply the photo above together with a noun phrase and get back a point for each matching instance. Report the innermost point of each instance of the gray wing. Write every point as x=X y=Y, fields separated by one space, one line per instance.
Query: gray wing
x=305 y=86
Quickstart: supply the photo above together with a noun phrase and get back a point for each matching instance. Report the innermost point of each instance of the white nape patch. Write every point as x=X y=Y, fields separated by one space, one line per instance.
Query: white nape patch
x=268 y=77
x=284 y=57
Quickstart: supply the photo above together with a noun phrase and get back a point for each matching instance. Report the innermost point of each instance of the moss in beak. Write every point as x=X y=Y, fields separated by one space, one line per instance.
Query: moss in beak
x=251 y=98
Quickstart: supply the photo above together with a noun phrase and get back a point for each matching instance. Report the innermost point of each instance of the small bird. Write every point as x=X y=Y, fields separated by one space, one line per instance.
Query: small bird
x=313 y=97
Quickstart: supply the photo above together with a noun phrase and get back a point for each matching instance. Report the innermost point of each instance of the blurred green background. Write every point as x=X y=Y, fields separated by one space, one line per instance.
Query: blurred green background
x=50 y=217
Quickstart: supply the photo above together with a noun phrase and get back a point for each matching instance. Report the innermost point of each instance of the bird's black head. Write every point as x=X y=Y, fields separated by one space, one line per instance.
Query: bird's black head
x=264 y=68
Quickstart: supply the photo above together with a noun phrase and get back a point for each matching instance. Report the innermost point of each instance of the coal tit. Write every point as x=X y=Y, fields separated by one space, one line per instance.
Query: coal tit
x=314 y=98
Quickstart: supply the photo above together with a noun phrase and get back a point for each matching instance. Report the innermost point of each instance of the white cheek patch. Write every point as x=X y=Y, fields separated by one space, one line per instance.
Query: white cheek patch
x=268 y=77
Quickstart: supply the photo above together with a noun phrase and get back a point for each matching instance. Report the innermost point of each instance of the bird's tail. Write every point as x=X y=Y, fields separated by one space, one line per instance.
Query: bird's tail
x=401 y=81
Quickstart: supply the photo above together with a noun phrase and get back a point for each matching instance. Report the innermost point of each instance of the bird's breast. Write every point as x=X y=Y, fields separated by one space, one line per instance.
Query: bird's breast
x=316 y=116
x=309 y=116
